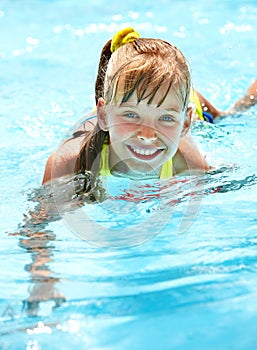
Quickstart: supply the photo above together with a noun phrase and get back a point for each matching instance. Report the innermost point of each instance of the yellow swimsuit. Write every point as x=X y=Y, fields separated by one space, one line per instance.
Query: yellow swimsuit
x=193 y=98
x=202 y=115
x=166 y=170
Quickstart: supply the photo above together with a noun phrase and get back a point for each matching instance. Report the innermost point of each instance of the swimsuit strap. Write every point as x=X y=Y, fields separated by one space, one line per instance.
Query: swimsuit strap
x=195 y=99
x=166 y=170
x=104 y=166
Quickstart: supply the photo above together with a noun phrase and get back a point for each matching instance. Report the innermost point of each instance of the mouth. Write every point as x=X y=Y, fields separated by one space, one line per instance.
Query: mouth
x=145 y=154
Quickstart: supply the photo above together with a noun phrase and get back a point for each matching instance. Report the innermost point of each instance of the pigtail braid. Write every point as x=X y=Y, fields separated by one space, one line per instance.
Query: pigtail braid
x=89 y=159
x=104 y=59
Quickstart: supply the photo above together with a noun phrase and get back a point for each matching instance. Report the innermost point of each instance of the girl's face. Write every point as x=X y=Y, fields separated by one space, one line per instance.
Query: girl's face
x=143 y=136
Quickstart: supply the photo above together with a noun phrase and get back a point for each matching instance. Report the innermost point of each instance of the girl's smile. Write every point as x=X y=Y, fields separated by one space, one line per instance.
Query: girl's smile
x=145 y=154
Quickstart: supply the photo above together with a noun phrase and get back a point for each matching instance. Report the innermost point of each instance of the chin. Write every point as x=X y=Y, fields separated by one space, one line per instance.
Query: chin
x=144 y=169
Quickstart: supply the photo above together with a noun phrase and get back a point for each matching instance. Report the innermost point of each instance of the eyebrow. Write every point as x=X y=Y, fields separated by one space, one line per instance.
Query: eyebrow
x=172 y=109
x=169 y=109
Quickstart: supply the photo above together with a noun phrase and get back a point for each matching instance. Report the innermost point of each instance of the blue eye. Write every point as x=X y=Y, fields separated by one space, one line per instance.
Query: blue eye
x=130 y=115
x=167 y=118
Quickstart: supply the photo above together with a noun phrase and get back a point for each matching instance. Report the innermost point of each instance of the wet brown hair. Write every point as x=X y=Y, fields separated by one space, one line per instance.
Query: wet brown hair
x=143 y=66
x=140 y=67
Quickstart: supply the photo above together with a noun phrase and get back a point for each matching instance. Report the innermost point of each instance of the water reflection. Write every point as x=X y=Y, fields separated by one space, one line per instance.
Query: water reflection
x=38 y=240
x=39 y=243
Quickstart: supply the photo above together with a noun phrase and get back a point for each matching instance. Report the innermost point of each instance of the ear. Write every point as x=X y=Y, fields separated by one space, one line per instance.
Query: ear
x=187 y=121
x=101 y=114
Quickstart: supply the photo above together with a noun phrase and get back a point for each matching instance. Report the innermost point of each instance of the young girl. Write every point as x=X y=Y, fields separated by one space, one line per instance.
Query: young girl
x=143 y=115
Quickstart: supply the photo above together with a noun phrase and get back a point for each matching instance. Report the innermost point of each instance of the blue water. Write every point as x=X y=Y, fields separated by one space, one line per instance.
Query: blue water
x=191 y=284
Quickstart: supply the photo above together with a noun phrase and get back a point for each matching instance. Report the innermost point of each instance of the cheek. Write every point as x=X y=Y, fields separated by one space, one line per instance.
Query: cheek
x=122 y=129
x=172 y=134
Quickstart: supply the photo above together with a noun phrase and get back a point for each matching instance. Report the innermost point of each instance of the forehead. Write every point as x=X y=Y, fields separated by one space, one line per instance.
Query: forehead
x=166 y=96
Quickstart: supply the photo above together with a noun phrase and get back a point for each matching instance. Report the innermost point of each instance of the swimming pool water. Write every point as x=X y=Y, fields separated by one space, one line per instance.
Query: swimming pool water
x=174 y=289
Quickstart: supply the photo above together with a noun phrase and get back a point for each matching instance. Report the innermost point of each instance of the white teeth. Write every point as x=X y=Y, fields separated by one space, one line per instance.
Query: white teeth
x=146 y=152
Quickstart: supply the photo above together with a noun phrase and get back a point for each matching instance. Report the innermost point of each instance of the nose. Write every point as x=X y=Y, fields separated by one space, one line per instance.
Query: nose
x=147 y=135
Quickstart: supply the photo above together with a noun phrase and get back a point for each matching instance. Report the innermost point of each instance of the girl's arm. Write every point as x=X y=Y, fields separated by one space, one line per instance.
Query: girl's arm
x=244 y=103
x=58 y=166
x=208 y=107
x=62 y=162
x=249 y=100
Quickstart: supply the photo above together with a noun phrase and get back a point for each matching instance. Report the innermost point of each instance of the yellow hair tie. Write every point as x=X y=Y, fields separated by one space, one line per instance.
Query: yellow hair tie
x=124 y=36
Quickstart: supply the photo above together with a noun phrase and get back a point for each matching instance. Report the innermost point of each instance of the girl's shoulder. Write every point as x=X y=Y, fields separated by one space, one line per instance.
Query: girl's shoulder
x=63 y=160
x=188 y=157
